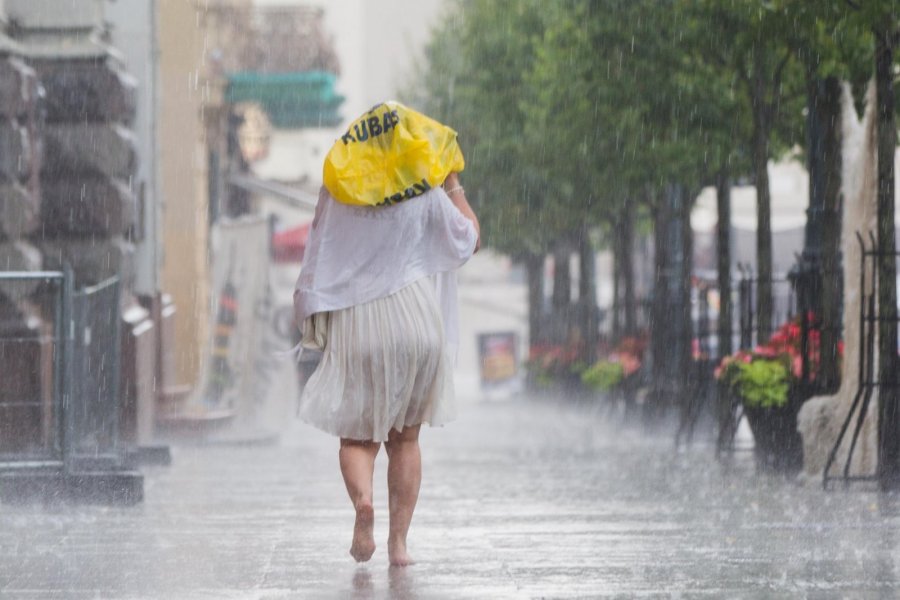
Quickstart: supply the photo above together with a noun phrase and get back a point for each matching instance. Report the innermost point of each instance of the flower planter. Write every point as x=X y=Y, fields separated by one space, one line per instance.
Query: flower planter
x=778 y=445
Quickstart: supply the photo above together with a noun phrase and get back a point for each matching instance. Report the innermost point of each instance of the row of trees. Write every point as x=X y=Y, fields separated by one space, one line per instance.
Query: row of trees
x=584 y=120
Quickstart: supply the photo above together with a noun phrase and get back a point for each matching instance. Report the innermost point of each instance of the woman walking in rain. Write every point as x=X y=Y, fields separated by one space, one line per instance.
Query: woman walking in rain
x=377 y=294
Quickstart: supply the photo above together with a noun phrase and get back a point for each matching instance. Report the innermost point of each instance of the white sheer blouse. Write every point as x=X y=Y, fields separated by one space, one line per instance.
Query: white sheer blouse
x=356 y=254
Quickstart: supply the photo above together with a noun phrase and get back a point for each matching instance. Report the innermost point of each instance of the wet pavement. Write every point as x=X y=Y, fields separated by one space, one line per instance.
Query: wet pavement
x=521 y=499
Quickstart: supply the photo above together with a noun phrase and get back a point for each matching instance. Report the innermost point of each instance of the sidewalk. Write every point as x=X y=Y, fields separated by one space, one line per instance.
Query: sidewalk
x=520 y=499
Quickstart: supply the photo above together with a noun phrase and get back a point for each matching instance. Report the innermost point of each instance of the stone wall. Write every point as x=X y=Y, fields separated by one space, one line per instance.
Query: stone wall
x=20 y=161
x=89 y=156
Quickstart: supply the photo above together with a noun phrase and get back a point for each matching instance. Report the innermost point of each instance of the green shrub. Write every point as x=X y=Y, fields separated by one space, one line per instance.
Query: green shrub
x=762 y=383
x=603 y=376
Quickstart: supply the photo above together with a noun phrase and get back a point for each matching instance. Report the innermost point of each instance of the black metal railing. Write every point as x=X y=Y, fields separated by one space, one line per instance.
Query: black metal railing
x=819 y=299
x=870 y=317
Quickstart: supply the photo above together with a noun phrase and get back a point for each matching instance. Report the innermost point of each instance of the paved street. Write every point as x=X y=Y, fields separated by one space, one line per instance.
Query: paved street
x=521 y=499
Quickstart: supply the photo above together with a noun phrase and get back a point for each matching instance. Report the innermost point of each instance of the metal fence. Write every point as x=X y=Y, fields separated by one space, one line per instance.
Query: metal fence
x=36 y=356
x=59 y=392
x=707 y=299
x=93 y=417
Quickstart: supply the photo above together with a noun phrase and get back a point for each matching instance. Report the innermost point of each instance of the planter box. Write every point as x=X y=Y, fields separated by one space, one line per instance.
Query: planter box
x=778 y=445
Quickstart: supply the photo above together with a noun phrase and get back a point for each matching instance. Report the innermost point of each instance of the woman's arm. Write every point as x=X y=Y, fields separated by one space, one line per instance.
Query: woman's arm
x=458 y=197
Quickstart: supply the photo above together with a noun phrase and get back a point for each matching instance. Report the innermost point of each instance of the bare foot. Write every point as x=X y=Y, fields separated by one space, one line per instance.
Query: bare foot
x=363 y=545
x=398 y=555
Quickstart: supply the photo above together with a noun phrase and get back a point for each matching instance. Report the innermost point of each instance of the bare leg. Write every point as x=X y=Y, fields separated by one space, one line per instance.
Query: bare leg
x=357 y=467
x=404 y=477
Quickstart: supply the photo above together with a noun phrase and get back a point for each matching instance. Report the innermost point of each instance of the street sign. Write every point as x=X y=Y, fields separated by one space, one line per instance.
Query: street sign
x=497 y=357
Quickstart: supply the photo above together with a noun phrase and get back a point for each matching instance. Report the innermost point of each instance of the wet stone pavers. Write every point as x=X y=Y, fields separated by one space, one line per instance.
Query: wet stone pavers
x=521 y=499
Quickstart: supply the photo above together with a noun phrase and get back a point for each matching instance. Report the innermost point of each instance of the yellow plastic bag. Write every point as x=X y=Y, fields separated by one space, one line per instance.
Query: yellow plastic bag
x=390 y=154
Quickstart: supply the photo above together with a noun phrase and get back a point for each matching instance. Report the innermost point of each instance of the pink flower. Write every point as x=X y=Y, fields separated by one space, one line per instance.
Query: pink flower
x=765 y=352
x=797 y=367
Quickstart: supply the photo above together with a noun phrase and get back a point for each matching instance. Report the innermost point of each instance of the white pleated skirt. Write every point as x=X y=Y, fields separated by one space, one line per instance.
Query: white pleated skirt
x=384 y=366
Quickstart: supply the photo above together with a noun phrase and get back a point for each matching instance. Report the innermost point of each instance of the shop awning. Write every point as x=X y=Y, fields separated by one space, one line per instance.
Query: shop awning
x=288 y=245
x=292 y=100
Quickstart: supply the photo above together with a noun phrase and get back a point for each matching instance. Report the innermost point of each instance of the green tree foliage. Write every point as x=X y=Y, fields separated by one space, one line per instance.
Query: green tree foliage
x=475 y=81
x=567 y=110
x=601 y=98
x=574 y=107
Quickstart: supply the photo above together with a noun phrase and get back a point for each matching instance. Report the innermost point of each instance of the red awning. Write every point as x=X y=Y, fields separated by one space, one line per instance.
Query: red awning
x=288 y=244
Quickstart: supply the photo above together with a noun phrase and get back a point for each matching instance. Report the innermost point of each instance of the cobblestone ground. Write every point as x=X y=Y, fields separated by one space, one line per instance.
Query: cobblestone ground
x=521 y=499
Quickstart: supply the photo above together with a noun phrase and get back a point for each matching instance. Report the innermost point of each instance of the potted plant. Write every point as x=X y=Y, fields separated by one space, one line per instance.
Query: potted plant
x=770 y=384
x=617 y=371
x=551 y=365
x=763 y=386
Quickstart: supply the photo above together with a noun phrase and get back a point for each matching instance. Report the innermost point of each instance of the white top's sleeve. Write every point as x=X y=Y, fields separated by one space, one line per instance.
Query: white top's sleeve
x=458 y=232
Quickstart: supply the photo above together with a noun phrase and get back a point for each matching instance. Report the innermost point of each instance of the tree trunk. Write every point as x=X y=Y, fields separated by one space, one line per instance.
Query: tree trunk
x=562 y=292
x=562 y=278
x=671 y=327
x=626 y=266
x=763 y=235
x=659 y=349
x=534 y=267
x=685 y=284
x=587 y=296
x=689 y=397
x=889 y=416
x=761 y=129
x=723 y=254
x=832 y=272
x=819 y=277
x=815 y=166
x=616 y=282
